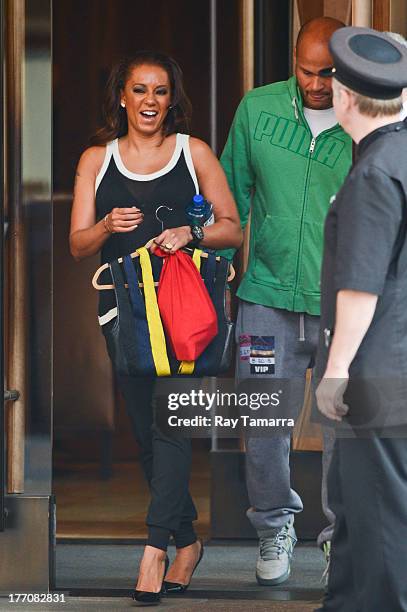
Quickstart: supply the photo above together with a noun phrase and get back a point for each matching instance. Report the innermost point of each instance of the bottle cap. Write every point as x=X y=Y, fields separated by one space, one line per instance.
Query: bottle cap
x=198 y=199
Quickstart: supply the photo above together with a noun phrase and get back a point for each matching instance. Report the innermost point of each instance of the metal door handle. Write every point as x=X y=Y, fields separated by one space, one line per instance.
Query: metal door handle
x=11 y=396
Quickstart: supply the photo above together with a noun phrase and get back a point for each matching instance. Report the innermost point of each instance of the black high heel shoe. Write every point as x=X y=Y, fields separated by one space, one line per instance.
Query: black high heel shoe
x=177 y=587
x=148 y=598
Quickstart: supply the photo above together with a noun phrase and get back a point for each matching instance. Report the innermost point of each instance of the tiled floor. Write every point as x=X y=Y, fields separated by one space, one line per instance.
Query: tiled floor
x=227 y=567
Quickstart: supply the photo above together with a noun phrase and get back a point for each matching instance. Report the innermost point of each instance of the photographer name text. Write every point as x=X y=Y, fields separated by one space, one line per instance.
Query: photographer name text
x=220 y=421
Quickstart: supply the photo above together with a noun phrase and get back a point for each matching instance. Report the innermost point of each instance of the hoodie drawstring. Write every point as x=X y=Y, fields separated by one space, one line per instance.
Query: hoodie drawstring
x=294 y=104
x=302 y=327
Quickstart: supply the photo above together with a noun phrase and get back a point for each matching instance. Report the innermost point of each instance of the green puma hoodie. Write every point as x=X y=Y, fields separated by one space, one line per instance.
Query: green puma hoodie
x=276 y=169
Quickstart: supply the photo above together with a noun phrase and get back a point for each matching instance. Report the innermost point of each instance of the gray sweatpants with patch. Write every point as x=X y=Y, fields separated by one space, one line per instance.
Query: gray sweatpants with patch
x=294 y=337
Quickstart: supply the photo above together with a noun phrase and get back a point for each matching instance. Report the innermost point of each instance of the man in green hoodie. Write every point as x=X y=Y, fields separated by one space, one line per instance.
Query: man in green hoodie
x=285 y=158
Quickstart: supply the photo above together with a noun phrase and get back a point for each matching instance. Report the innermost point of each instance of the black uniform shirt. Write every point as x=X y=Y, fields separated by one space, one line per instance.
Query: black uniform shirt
x=365 y=249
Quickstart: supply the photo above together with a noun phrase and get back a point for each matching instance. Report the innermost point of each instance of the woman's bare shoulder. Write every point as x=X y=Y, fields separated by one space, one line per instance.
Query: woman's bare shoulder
x=199 y=146
x=92 y=159
x=200 y=151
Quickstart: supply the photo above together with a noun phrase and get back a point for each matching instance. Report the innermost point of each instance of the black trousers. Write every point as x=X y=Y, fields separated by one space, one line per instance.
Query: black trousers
x=166 y=462
x=367 y=491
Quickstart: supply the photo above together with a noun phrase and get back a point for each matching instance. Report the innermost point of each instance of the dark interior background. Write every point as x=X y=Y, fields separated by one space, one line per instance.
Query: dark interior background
x=89 y=36
x=272 y=44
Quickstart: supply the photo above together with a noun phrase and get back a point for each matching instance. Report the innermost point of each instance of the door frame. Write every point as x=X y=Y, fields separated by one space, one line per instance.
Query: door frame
x=27 y=508
x=2 y=411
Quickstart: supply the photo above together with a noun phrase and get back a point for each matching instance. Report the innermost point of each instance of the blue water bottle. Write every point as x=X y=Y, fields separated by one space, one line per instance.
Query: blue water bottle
x=199 y=212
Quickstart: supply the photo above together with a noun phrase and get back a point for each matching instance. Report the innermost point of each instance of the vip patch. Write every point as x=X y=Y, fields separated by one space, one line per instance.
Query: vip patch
x=259 y=352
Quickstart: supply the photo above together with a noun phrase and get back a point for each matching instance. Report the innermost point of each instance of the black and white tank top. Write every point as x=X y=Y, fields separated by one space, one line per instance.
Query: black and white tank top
x=162 y=196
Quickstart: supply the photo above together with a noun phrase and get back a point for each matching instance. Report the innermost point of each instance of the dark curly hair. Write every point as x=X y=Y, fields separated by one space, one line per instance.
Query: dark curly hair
x=115 y=117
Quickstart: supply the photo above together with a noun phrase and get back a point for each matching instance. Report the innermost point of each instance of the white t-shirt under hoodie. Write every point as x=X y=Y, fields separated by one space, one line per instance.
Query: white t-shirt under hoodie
x=320 y=120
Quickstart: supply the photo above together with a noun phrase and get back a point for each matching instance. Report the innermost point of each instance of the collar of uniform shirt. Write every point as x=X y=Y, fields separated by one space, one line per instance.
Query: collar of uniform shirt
x=370 y=138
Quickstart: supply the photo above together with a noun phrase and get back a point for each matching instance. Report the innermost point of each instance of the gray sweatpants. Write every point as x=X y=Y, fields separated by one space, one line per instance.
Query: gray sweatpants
x=293 y=337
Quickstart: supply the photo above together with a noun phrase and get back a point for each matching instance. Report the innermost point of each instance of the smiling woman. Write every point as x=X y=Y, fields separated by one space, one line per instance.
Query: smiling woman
x=125 y=78
x=146 y=96
x=141 y=162
x=145 y=107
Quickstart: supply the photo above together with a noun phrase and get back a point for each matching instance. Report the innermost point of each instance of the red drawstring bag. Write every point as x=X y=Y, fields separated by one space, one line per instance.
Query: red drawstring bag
x=186 y=309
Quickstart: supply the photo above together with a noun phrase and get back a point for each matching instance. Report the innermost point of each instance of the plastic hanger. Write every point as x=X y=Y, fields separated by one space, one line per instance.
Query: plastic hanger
x=134 y=255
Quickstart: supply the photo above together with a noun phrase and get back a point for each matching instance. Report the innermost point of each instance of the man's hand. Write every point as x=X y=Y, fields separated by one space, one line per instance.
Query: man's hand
x=354 y=314
x=329 y=395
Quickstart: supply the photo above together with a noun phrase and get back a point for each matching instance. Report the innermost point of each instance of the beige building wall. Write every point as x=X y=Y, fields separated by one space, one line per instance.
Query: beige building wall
x=362 y=13
x=304 y=10
x=340 y=9
x=398 y=16
x=385 y=14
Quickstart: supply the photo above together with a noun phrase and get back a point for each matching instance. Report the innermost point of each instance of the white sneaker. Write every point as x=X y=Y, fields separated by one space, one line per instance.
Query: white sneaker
x=326 y=547
x=273 y=562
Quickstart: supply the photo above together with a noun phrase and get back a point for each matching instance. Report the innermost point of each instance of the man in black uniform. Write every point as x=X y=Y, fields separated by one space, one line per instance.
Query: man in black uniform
x=362 y=356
